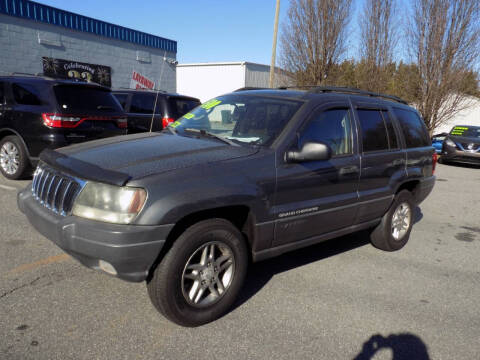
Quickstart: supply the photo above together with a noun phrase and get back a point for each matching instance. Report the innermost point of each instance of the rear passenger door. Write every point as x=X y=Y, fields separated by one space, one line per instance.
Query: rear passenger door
x=318 y=197
x=382 y=160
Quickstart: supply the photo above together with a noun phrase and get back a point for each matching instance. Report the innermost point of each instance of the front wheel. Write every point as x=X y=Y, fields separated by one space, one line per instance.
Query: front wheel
x=394 y=230
x=200 y=277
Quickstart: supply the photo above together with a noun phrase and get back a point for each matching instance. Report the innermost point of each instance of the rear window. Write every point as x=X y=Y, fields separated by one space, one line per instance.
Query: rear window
x=180 y=106
x=75 y=98
x=143 y=104
x=122 y=99
x=413 y=128
x=27 y=94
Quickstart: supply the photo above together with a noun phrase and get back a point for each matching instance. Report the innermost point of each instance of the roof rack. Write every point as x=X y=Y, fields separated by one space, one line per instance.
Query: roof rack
x=346 y=90
x=127 y=88
x=246 y=88
x=324 y=89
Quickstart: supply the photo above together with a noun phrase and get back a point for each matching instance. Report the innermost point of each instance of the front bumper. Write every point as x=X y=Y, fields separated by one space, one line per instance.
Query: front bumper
x=460 y=156
x=130 y=249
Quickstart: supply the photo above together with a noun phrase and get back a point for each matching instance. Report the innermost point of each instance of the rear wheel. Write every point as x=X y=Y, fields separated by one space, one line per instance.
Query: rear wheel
x=394 y=230
x=200 y=277
x=14 y=162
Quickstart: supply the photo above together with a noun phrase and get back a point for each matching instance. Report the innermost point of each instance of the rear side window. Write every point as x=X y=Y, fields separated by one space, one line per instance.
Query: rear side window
x=180 y=106
x=26 y=94
x=413 y=128
x=392 y=136
x=77 y=98
x=143 y=104
x=374 y=130
x=122 y=99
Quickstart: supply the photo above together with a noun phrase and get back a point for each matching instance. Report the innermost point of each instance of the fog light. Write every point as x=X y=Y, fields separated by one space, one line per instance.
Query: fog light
x=107 y=267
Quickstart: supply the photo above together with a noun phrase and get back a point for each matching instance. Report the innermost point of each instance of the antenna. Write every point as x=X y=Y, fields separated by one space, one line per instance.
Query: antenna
x=156 y=95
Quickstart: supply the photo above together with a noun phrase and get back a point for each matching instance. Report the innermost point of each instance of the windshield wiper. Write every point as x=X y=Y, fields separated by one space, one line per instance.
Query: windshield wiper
x=104 y=107
x=209 y=134
x=171 y=130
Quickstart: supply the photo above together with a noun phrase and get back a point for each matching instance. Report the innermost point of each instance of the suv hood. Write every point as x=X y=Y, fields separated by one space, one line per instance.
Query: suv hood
x=120 y=159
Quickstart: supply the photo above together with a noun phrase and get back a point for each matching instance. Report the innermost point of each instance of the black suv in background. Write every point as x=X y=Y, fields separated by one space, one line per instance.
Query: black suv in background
x=39 y=112
x=140 y=105
x=246 y=176
x=462 y=145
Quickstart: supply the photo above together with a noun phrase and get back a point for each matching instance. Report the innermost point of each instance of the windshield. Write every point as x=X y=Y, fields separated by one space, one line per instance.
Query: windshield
x=241 y=118
x=466 y=131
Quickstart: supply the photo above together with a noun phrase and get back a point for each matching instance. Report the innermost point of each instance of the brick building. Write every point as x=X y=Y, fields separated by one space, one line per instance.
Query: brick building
x=35 y=38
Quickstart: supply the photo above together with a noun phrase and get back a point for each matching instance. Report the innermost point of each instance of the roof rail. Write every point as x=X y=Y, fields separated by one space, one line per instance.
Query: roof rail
x=246 y=88
x=127 y=88
x=354 y=91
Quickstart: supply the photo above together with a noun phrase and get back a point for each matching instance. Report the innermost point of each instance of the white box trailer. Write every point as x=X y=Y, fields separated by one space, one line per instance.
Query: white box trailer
x=468 y=116
x=207 y=80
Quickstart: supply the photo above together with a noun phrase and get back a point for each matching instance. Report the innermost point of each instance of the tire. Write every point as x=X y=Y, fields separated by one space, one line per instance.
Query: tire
x=172 y=286
x=14 y=162
x=387 y=238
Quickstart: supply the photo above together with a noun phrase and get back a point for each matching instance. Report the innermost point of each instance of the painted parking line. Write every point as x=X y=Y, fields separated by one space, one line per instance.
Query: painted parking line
x=6 y=187
x=41 y=262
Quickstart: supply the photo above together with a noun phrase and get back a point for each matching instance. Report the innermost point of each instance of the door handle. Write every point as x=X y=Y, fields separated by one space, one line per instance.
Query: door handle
x=348 y=170
x=397 y=162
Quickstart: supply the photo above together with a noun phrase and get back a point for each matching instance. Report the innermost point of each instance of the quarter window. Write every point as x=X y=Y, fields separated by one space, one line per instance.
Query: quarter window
x=413 y=128
x=144 y=104
x=374 y=131
x=331 y=127
x=26 y=94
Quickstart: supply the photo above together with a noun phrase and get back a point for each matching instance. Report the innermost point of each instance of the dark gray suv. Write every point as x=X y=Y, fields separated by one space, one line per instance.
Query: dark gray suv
x=244 y=177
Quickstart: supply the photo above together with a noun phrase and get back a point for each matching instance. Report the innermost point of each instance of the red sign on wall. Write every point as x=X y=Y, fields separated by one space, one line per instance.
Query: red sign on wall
x=139 y=81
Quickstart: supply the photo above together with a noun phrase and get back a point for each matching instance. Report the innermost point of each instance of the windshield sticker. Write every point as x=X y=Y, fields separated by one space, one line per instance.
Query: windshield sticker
x=459 y=130
x=188 y=116
x=175 y=124
x=210 y=104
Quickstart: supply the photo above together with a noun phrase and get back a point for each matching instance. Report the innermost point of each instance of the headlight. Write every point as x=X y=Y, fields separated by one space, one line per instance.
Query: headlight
x=450 y=143
x=109 y=203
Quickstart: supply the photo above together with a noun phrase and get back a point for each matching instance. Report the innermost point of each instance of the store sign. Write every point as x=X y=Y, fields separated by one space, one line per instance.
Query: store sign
x=60 y=68
x=139 y=81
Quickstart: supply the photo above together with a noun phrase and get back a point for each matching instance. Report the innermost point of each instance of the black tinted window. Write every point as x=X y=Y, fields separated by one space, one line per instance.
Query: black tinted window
x=2 y=93
x=374 y=132
x=331 y=127
x=122 y=99
x=179 y=106
x=413 y=128
x=26 y=94
x=78 y=98
x=392 y=137
x=143 y=104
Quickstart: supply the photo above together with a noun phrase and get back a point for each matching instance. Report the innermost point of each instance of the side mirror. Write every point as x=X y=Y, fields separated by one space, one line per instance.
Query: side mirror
x=310 y=151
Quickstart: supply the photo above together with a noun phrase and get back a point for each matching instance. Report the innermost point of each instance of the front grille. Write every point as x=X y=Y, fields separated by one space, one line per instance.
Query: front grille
x=54 y=190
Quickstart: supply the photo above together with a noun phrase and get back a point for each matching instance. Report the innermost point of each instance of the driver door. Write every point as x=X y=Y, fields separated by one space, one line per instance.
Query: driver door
x=317 y=197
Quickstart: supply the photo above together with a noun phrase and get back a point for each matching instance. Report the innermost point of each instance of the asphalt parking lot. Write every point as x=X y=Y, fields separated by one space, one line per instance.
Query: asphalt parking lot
x=342 y=299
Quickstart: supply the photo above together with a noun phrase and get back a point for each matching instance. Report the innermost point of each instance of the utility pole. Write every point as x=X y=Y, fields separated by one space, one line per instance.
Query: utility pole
x=274 y=46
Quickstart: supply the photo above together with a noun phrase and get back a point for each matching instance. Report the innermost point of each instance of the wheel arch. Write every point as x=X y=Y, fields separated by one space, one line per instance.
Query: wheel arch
x=4 y=132
x=239 y=215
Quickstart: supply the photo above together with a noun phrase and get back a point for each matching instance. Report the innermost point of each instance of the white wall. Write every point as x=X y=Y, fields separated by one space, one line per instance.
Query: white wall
x=469 y=116
x=206 y=81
